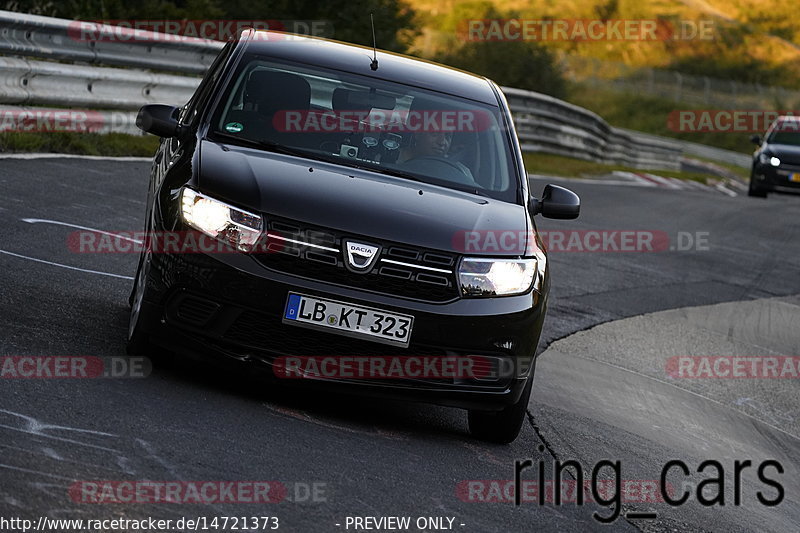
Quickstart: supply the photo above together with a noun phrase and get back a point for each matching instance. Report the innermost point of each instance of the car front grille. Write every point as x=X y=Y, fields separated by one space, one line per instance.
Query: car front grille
x=792 y=160
x=399 y=270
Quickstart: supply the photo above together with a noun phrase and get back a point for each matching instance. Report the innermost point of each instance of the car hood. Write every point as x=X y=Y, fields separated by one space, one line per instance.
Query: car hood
x=356 y=201
x=790 y=152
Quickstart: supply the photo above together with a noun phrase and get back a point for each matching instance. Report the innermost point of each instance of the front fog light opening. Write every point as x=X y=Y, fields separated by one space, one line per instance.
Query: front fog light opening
x=236 y=227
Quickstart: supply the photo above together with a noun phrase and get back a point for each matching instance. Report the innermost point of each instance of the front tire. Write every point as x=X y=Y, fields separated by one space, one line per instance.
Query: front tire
x=754 y=190
x=501 y=427
x=138 y=337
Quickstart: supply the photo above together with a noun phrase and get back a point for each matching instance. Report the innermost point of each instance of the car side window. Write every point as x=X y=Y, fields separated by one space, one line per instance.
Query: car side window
x=201 y=94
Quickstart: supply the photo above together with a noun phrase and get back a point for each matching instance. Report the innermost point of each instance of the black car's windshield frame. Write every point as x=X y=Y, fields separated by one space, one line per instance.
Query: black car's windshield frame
x=497 y=176
x=785 y=135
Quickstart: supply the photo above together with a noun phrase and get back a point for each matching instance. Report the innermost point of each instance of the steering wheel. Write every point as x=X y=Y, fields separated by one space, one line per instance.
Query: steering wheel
x=447 y=170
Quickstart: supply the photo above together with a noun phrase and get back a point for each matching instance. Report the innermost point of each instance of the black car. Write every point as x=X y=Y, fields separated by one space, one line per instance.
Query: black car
x=776 y=161
x=360 y=204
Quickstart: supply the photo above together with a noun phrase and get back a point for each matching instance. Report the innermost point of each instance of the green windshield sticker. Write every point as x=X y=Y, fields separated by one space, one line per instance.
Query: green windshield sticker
x=234 y=127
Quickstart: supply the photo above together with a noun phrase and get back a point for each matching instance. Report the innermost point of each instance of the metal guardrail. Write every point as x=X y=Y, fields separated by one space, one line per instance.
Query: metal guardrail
x=88 y=77
x=31 y=82
x=549 y=125
x=700 y=150
x=89 y=42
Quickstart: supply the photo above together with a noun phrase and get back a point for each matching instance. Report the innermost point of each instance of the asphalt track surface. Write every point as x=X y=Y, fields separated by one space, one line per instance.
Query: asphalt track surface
x=189 y=422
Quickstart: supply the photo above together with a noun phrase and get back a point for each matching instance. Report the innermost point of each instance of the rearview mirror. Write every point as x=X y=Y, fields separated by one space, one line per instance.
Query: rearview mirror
x=557 y=202
x=159 y=119
x=755 y=139
x=371 y=100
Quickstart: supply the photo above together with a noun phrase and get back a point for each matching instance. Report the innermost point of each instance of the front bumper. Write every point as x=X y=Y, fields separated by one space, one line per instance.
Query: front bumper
x=768 y=177
x=231 y=305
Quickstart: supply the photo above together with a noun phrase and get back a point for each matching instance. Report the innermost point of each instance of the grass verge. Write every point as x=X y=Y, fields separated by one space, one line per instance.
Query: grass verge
x=650 y=114
x=556 y=165
x=110 y=144
x=743 y=173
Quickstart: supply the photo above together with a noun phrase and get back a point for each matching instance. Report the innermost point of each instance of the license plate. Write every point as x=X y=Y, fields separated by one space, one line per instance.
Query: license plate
x=351 y=320
x=794 y=176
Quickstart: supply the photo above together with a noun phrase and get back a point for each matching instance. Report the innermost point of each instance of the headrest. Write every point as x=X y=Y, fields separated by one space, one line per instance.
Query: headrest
x=274 y=91
x=340 y=101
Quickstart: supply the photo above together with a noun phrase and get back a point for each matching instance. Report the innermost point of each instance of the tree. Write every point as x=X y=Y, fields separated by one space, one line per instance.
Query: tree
x=117 y=9
x=523 y=65
x=345 y=20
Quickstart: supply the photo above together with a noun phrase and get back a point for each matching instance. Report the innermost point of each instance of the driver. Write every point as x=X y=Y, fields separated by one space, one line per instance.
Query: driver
x=431 y=144
x=425 y=144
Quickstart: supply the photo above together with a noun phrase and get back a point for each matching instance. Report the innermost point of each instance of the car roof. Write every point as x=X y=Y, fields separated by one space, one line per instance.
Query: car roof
x=794 y=120
x=784 y=118
x=357 y=59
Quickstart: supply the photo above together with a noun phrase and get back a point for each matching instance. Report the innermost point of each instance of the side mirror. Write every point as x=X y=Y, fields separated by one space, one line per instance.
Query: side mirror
x=159 y=119
x=557 y=202
x=756 y=139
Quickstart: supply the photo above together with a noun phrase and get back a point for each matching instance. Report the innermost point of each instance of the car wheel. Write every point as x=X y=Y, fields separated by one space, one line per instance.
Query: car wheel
x=138 y=339
x=501 y=426
x=132 y=295
x=754 y=190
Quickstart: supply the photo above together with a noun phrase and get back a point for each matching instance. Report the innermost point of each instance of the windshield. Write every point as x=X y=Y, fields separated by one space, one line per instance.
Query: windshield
x=785 y=132
x=785 y=137
x=369 y=123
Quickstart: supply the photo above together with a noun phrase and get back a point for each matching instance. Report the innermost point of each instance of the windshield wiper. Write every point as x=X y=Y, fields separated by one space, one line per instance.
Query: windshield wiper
x=398 y=173
x=446 y=184
x=283 y=149
x=472 y=190
x=272 y=146
x=412 y=177
x=379 y=170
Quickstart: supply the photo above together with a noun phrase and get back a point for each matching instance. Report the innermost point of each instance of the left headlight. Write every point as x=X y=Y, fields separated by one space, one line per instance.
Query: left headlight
x=498 y=277
x=217 y=219
x=769 y=159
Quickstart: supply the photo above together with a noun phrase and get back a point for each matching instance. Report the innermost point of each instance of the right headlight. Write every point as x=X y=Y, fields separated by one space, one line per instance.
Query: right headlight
x=235 y=226
x=487 y=277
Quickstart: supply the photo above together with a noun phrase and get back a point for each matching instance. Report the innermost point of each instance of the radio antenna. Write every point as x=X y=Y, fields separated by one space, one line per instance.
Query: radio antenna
x=374 y=64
